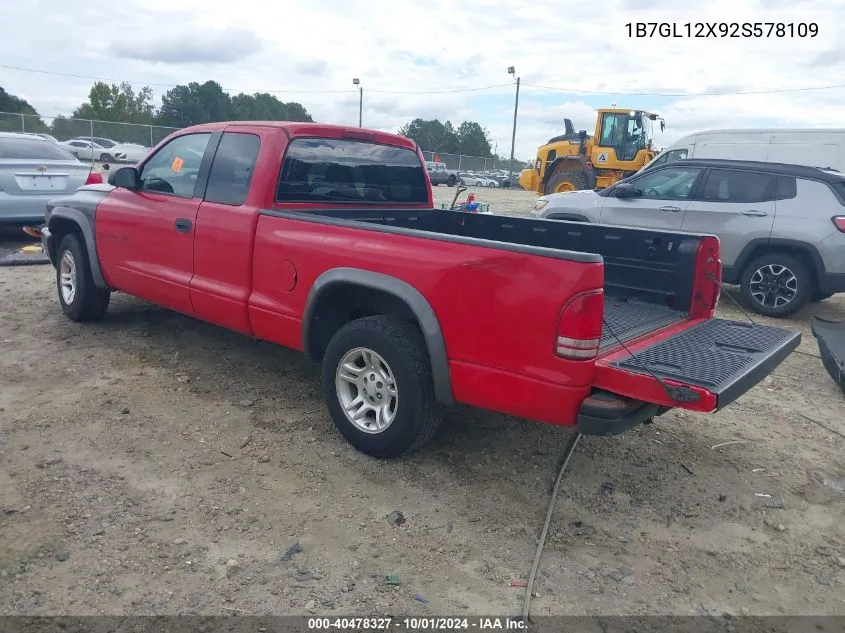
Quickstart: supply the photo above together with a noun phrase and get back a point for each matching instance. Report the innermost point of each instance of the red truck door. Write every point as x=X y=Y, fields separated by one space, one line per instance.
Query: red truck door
x=239 y=184
x=145 y=236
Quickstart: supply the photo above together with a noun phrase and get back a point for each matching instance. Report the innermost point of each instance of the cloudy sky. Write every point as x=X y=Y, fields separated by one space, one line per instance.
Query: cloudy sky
x=413 y=56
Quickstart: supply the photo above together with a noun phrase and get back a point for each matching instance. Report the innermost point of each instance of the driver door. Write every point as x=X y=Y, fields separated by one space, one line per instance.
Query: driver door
x=145 y=236
x=660 y=201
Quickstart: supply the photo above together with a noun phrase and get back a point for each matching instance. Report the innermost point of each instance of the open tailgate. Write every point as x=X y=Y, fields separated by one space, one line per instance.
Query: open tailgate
x=703 y=364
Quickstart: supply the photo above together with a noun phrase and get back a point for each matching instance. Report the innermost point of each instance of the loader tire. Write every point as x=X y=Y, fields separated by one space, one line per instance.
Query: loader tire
x=565 y=181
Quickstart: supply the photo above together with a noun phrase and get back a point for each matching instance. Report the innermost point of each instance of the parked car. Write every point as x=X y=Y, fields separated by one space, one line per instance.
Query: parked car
x=476 y=180
x=32 y=171
x=781 y=227
x=323 y=238
x=439 y=174
x=97 y=140
x=129 y=152
x=91 y=151
x=809 y=147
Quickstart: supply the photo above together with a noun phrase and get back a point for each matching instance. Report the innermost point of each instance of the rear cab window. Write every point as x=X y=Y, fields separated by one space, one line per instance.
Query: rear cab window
x=326 y=170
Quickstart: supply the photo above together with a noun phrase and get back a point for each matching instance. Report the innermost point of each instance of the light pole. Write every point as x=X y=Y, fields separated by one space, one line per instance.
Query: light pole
x=512 y=71
x=357 y=82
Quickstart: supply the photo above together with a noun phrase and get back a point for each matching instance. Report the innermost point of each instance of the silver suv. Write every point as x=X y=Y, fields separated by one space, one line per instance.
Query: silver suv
x=781 y=227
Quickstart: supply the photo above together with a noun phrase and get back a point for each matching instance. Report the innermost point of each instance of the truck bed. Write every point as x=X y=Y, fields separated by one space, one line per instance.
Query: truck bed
x=648 y=273
x=649 y=280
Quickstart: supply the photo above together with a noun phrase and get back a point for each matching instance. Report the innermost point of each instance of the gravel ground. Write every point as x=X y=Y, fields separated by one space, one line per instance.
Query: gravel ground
x=152 y=464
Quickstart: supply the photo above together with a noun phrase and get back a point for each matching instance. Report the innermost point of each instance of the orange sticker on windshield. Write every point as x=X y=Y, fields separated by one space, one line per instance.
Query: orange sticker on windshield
x=176 y=165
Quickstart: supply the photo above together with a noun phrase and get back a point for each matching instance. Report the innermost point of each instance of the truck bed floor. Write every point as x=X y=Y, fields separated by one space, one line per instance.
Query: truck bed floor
x=629 y=319
x=722 y=356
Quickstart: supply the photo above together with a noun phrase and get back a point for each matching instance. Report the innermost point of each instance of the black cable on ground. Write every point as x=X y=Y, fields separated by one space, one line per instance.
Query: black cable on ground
x=530 y=588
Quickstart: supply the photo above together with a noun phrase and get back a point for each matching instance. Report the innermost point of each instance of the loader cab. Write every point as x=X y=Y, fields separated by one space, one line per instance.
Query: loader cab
x=625 y=131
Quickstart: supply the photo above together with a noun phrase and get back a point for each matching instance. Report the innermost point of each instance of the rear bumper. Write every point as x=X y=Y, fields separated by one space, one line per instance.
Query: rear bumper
x=47 y=242
x=608 y=414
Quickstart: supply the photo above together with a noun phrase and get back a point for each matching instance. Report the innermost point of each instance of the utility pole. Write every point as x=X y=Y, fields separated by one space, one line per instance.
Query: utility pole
x=512 y=71
x=357 y=82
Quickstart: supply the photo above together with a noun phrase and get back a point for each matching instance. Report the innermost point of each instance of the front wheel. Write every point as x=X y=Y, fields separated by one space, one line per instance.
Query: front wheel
x=452 y=181
x=777 y=284
x=564 y=181
x=80 y=299
x=106 y=158
x=378 y=386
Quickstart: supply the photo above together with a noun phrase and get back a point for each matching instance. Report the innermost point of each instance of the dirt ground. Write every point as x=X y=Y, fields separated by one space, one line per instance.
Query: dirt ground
x=153 y=464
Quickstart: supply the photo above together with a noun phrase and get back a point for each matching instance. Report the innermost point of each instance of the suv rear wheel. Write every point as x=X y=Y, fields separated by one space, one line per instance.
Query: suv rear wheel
x=777 y=284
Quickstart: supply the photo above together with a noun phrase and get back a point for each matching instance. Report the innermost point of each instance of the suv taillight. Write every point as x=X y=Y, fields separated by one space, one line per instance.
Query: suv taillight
x=94 y=178
x=839 y=222
x=579 y=326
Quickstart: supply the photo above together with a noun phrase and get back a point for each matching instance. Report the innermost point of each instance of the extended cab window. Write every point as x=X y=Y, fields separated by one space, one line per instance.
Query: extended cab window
x=231 y=171
x=173 y=169
x=670 y=183
x=333 y=170
x=728 y=185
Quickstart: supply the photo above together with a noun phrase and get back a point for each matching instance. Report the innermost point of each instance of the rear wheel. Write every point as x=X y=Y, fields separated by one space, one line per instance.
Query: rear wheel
x=566 y=181
x=378 y=386
x=777 y=284
x=80 y=299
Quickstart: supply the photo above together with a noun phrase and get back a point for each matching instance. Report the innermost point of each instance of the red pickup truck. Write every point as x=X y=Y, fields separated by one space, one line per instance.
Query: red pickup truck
x=324 y=239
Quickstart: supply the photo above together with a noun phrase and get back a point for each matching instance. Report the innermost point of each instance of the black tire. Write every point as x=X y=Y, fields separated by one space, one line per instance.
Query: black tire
x=576 y=179
x=106 y=158
x=89 y=303
x=799 y=293
x=451 y=181
x=418 y=415
x=820 y=296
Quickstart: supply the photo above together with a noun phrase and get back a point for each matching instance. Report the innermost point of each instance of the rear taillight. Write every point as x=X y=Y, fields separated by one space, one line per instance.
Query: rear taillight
x=839 y=222
x=579 y=327
x=94 y=178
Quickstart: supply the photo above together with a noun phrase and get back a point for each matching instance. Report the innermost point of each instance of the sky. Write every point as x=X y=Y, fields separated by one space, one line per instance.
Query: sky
x=446 y=60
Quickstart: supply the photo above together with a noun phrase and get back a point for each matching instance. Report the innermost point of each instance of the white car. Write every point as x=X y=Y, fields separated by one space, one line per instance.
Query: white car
x=132 y=152
x=86 y=150
x=474 y=180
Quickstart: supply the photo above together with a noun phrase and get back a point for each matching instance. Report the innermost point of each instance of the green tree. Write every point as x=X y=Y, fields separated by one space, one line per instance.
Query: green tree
x=13 y=105
x=117 y=103
x=266 y=107
x=431 y=136
x=473 y=140
x=194 y=103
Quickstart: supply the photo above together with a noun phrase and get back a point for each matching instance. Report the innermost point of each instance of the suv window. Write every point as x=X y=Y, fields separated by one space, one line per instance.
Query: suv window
x=786 y=188
x=331 y=170
x=670 y=183
x=32 y=149
x=729 y=185
x=173 y=169
x=231 y=171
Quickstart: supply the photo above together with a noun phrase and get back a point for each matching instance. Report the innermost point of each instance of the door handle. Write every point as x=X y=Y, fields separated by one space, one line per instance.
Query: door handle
x=755 y=213
x=672 y=209
x=183 y=225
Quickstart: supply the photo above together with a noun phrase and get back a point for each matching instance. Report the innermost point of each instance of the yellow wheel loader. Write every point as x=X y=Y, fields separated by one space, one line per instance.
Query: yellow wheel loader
x=621 y=146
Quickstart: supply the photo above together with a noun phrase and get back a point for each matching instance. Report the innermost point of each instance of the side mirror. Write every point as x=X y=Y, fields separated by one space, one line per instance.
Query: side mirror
x=125 y=177
x=625 y=190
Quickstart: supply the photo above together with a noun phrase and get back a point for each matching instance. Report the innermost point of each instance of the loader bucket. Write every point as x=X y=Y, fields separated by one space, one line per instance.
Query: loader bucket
x=830 y=336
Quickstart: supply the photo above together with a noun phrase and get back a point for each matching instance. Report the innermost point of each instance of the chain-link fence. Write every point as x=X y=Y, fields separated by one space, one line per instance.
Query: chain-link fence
x=66 y=128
